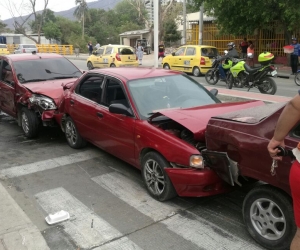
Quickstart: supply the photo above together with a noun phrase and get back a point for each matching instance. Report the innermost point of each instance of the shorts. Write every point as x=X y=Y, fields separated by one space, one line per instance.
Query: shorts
x=161 y=54
x=295 y=189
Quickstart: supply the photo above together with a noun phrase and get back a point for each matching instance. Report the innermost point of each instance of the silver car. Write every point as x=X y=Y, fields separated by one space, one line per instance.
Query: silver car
x=26 y=48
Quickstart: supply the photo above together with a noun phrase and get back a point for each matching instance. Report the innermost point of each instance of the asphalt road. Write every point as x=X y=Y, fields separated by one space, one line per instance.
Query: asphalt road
x=285 y=87
x=107 y=201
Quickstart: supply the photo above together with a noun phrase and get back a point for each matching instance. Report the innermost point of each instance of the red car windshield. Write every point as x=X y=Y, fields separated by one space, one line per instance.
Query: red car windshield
x=45 y=69
x=177 y=91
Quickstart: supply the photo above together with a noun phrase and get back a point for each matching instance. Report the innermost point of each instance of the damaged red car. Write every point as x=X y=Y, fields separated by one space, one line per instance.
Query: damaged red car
x=30 y=87
x=236 y=145
x=154 y=119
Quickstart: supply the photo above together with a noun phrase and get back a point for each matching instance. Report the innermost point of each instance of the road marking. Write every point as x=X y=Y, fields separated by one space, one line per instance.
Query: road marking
x=79 y=226
x=201 y=232
x=120 y=244
x=47 y=164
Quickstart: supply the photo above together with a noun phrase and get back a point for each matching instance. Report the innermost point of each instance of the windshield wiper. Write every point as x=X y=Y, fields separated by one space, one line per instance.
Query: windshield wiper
x=57 y=73
x=34 y=80
x=62 y=77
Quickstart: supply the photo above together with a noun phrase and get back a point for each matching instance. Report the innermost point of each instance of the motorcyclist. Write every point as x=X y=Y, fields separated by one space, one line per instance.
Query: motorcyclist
x=232 y=53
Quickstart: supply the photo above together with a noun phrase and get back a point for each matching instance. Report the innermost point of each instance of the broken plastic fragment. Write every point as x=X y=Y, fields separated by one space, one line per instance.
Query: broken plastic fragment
x=57 y=217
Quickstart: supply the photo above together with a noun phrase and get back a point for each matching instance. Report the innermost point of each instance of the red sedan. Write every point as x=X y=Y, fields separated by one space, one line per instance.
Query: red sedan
x=154 y=119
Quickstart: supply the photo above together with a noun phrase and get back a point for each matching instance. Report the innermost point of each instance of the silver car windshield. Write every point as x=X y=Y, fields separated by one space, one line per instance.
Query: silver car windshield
x=166 y=92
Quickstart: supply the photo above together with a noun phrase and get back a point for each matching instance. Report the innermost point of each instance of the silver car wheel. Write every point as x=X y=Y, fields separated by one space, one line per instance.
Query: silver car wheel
x=154 y=177
x=71 y=132
x=166 y=66
x=268 y=219
x=25 y=123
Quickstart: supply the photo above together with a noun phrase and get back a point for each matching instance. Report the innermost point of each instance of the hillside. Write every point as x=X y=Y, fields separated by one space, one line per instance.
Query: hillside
x=100 y=4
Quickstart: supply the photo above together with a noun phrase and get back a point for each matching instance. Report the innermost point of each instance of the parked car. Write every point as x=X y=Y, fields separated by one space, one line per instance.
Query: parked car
x=115 y=110
x=237 y=147
x=3 y=49
x=26 y=48
x=30 y=87
x=195 y=59
x=112 y=56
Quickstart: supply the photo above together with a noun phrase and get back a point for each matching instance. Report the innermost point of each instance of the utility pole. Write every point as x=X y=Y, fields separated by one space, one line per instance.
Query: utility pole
x=156 y=27
x=184 y=22
x=83 y=25
x=201 y=24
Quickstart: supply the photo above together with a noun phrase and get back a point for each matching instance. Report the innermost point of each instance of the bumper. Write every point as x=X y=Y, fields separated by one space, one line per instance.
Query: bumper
x=123 y=65
x=204 y=69
x=196 y=183
x=48 y=118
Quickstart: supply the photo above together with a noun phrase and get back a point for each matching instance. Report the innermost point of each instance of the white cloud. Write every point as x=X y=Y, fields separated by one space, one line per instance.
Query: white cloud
x=20 y=7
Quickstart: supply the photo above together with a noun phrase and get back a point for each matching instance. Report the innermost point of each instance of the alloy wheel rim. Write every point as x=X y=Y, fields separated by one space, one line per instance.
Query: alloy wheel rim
x=268 y=219
x=196 y=72
x=89 y=66
x=71 y=132
x=166 y=67
x=25 y=123
x=154 y=177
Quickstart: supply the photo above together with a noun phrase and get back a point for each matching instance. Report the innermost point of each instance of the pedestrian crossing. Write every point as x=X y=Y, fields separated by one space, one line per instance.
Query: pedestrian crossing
x=88 y=230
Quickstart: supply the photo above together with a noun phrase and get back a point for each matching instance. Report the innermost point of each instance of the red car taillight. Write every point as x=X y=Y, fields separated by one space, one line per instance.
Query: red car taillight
x=202 y=61
x=24 y=51
x=118 y=57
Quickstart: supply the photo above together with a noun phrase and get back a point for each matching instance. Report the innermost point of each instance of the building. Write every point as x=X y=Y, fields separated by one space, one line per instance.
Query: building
x=129 y=37
x=10 y=38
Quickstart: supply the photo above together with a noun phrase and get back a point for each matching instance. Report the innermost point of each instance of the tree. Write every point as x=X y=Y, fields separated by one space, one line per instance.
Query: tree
x=3 y=28
x=48 y=17
x=244 y=17
x=171 y=34
x=82 y=13
x=52 y=31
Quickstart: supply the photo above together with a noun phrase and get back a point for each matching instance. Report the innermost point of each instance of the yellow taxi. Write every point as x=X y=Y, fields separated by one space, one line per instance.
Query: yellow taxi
x=3 y=49
x=195 y=59
x=112 y=56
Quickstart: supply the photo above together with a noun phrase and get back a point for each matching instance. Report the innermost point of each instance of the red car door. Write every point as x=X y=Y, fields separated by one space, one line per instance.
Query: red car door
x=81 y=104
x=117 y=131
x=7 y=88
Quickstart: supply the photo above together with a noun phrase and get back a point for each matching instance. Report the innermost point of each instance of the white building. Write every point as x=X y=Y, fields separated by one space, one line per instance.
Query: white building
x=21 y=39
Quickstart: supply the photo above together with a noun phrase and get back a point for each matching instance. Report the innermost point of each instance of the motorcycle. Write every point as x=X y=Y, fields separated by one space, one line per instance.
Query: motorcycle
x=243 y=75
x=297 y=78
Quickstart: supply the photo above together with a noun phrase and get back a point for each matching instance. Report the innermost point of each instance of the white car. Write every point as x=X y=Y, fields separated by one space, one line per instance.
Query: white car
x=26 y=48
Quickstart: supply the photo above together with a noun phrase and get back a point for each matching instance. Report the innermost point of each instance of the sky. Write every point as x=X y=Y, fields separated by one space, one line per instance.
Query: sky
x=18 y=7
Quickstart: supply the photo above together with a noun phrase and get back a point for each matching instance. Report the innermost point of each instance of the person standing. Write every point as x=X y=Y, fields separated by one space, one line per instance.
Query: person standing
x=90 y=47
x=295 y=55
x=97 y=46
x=161 y=50
x=139 y=52
x=244 y=47
x=250 y=53
x=287 y=120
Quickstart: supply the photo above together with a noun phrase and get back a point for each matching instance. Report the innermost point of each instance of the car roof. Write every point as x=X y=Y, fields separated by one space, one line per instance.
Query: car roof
x=30 y=56
x=136 y=73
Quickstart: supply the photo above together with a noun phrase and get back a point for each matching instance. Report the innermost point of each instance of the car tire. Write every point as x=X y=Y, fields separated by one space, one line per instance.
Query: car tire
x=29 y=123
x=74 y=139
x=229 y=81
x=90 y=65
x=112 y=65
x=166 y=66
x=297 y=78
x=212 y=76
x=267 y=209
x=157 y=182
x=196 y=71
x=273 y=87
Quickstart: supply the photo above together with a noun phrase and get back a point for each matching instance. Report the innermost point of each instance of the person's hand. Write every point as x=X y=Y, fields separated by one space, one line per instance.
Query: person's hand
x=273 y=151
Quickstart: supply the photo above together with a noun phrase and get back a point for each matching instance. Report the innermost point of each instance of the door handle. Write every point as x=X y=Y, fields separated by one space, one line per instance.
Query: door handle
x=99 y=114
x=72 y=102
x=179 y=58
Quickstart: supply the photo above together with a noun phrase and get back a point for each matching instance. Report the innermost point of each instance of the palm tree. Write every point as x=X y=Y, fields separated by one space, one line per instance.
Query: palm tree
x=81 y=12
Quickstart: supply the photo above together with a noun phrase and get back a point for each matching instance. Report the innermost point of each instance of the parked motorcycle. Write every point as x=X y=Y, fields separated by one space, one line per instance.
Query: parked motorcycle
x=212 y=76
x=243 y=75
x=297 y=78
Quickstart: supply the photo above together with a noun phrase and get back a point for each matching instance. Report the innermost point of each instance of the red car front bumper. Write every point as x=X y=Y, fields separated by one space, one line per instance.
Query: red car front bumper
x=196 y=183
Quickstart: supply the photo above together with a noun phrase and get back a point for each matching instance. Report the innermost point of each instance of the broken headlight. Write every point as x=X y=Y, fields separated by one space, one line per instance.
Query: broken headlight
x=44 y=102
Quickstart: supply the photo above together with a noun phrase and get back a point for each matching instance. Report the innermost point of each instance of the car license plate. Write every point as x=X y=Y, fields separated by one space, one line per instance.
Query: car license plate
x=274 y=73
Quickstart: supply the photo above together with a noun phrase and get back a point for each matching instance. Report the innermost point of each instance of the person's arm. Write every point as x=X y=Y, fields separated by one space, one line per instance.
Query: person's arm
x=287 y=120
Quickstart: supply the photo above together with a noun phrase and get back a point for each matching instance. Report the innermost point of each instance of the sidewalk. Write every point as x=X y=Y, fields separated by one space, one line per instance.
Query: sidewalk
x=148 y=61
x=17 y=232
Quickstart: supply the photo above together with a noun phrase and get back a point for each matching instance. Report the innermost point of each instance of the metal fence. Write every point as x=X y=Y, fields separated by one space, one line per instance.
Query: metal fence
x=271 y=39
x=48 y=48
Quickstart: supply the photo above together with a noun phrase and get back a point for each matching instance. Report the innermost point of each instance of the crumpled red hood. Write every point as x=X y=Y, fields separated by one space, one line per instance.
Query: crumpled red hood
x=196 y=119
x=52 y=89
